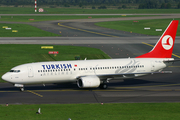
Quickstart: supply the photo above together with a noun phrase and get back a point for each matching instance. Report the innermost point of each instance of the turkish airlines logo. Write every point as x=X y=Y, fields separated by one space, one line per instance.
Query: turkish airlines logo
x=167 y=42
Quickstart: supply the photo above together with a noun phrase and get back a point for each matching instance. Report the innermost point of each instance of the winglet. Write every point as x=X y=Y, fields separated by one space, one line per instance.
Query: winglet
x=164 y=46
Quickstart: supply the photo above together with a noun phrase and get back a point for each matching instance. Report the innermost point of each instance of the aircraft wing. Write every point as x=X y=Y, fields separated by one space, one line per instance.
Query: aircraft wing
x=124 y=75
x=169 y=61
x=129 y=74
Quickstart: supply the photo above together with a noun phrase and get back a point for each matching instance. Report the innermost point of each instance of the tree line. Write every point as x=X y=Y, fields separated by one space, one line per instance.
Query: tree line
x=157 y=5
x=142 y=4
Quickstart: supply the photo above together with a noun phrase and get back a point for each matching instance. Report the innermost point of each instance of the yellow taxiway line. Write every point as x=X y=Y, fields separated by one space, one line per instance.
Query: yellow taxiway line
x=35 y=93
x=86 y=30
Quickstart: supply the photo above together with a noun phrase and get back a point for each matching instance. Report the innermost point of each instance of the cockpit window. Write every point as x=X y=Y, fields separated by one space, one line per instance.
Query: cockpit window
x=15 y=71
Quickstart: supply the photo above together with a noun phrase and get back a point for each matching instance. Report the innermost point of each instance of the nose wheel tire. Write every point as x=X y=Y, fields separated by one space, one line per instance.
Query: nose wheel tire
x=22 y=89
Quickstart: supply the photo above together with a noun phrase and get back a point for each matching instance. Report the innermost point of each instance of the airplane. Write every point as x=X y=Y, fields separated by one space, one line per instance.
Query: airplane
x=97 y=73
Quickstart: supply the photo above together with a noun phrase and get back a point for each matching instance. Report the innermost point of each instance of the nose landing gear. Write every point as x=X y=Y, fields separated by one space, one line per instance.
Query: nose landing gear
x=21 y=86
x=22 y=89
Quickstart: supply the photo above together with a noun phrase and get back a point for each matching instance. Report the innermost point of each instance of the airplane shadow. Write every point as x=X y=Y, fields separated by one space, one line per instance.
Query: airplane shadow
x=142 y=81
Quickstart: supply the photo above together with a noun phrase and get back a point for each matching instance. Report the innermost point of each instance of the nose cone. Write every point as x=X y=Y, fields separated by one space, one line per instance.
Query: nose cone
x=6 y=77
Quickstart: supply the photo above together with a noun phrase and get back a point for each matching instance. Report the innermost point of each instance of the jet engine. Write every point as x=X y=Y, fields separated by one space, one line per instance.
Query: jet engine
x=88 y=82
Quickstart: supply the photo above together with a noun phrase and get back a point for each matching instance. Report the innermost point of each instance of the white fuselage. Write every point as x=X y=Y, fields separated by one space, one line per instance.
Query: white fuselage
x=70 y=71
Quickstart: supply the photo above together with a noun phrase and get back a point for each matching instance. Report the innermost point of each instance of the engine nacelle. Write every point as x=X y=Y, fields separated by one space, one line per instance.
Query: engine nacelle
x=88 y=82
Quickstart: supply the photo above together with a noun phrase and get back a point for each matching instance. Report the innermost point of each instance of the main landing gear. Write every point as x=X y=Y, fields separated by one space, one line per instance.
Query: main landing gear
x=103 y=86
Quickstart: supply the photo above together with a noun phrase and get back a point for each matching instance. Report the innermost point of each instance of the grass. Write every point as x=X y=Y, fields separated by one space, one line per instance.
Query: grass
x=12 y=55
x=30 y=10
x=138 y=27
x=121 y=111
x=23 y=31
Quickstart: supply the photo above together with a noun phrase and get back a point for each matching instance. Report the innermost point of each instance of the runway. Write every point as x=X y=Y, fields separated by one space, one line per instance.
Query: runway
x=151 y=88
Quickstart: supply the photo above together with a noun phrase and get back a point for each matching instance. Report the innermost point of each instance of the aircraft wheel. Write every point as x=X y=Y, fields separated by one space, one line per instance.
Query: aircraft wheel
x=103 y=86
x=22 y=89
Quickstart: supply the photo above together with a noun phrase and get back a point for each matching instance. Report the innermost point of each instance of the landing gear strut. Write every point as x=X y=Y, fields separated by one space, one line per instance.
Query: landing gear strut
x=21 y=86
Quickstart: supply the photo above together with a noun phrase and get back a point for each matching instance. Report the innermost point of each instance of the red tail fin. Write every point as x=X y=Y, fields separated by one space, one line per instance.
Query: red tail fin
x=164 y=46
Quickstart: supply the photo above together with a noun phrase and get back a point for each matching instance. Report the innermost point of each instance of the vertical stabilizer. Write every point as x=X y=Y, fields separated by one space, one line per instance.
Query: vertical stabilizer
x=164 y=46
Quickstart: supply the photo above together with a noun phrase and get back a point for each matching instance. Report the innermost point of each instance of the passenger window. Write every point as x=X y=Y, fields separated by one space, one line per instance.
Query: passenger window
x=16 y=71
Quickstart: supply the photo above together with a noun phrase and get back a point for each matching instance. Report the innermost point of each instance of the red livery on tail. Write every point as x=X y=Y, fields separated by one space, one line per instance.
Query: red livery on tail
x=164 y=46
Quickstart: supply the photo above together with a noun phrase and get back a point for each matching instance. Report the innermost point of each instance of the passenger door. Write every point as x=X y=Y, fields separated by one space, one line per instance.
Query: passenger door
x=30 y=71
